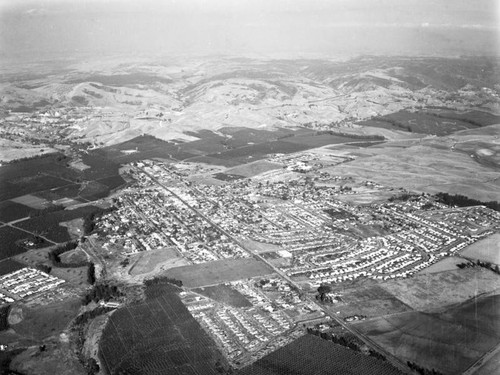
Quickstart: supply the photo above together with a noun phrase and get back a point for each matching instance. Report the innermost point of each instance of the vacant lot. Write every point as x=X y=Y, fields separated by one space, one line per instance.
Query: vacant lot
x=487 y=249
x=219 y=271
x=435 y=290
x=158 y=259
x=310 y=354
x=157 y=336
x=255 y=168
x=225 y=294
x=366 y=299
x=449 y=342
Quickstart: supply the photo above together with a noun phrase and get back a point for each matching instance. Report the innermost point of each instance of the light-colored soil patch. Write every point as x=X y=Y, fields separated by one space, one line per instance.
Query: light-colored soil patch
x=433 y=291
x=255 y=168
x=487 y=249
x=219 y=271
x=75 y=227
x=157 y=260
x=31 y=201
x=446 y=264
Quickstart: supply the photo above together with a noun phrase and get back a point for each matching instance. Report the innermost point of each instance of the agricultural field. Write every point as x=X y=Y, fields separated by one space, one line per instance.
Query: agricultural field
x=310 y=354
x=490 y=366
x=368 y=299
x=219 y=271
x=321 y=140
x=486 y=250
x=449 y=342
x=157 y=259
x=225 y=294
x=430 y=292
x=48 y=225
x=157 y=336
x=422 y=122
x=10 y=211
x=11 y=242
x=9 y=265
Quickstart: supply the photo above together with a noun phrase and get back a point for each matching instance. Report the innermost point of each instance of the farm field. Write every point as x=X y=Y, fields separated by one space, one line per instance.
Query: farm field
x=321 y=140
x=157 y=336
x=219 y=271
x=487 y=249
x=433 y=291
x=48 y=225
x=31 y=201
x=225 y=294
x=490 y=366
x=9 y=265
x=158 y=259
x=10 y=239
x=10 y=211
x=449 y=342
x=310 y=354
x=421 y=122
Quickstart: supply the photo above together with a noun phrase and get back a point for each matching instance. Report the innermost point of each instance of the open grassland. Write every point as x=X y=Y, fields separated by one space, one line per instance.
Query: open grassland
x=225 y=294
x=449 y=342
x=310 y=354
x=158 y=259
x=433 y=291
x=74 y=275
x=446 y=264
x=48 y=320
x=366 y=299
x=487 y=249
x=157 y=336
x=423 y=167
x=219 y=271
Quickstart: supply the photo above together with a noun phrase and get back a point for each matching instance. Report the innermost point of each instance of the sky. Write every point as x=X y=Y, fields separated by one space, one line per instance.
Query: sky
x=33 y=30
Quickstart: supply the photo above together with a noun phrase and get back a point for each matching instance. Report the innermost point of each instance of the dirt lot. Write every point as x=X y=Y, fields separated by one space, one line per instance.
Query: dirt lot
x=156 y=260
x=218 y=271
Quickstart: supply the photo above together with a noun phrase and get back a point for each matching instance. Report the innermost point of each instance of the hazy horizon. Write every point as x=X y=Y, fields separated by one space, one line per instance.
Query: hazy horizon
x=38 y=30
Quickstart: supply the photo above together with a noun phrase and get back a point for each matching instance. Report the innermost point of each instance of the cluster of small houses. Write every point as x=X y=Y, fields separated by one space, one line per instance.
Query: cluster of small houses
x=25 y=282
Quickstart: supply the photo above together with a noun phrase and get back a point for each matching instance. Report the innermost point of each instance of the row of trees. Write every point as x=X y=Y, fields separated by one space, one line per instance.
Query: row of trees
x=463 y=201
x=54 y=255
x=422 y=370
x=480 y=263
x=344 y=341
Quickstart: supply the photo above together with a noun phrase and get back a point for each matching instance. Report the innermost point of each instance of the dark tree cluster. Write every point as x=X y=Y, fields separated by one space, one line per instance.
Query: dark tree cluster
x=89 y=220
x=162 y=280
x=463 y=201
x=43 y=267
x=54 y=255
x=4 y=314
x=101 y=292
x=421 y=370
x=91 y=274
x=479 y=263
